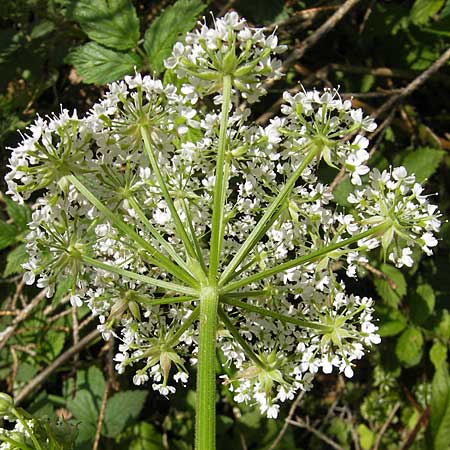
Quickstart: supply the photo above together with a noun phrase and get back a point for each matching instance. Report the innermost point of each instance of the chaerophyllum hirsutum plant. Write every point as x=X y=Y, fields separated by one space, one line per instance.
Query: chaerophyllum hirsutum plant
x=188 y=229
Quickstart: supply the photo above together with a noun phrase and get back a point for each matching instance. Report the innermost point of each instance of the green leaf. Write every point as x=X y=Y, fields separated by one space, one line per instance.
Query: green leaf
x=423 y=162
x=121 y=409
x=8 y=234
x=52 y=344
x=20 y=214
x=14 y=260
x=112 y=23
x=438 y=354
x=166 y=29
x=421 y=303
x=422 y=10
x=409 y=347
x=366 y=437
x=392 y=321
x=145 y=436
x=341 y=192
x=85 y=403
x=42 y=29
x=439 y=425
x=393 y=289
x=97 y=64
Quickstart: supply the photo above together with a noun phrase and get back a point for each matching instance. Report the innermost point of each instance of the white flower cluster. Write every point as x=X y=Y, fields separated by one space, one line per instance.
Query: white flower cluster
x=19 y=435
x=127 y=214
x=231 y=47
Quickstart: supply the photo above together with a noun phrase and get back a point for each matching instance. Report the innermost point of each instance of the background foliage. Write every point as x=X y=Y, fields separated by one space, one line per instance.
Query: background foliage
x=56 y=52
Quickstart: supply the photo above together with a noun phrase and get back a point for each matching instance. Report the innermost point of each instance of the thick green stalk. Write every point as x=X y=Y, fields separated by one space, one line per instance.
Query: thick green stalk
x=220 y=187
x=313 y=256
x=266 y=221
x=159 y=259
x=166 y=194
x=205 y=421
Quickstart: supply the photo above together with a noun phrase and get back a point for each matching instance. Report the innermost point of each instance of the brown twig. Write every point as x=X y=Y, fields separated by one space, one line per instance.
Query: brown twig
x=283 y=430
x=101 y=417
x=385 y=426
x=327 y=26
x=305 y=424
x=40 y=378
x=8 y=332
x=414 y=85
x=422 y=421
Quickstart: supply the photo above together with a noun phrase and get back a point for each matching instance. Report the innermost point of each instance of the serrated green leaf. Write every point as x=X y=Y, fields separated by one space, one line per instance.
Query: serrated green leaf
x=166 y=29
x=121 y=409
x=439 y=425
x=15 y=259
x=113 y=23
x=409 y=347
x=20 y=214
x=421 y=303
x=8 y=234
x=423 y=162
x=422 y=10
x=392 y=290
x=97 y=64
x=52 y=344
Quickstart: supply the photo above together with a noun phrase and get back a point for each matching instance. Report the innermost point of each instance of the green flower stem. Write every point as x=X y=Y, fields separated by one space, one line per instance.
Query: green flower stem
x=221 y=182
x=235 y=333
x=247 y=294
x=159 y=259
x=205 y=421
x=155 y=233
x=189 y=321
x=198 y=250
x=167 y=285
x=304 y=259
x=165 y=192
x=266 y=221
x=142 y=300
x=269 y=313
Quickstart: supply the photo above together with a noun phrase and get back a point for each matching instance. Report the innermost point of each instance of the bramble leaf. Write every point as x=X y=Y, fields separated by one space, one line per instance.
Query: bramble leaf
x=423 y=162
x=15 y=259
x=121 y=409
x=97 y=64
x=112 y=23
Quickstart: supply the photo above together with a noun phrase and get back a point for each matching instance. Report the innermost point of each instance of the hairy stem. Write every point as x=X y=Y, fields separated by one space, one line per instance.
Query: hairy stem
x=205 y=421
x=221 y=182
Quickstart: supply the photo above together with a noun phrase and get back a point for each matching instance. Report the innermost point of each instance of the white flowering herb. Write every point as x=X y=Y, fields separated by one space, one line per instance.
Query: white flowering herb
x=188 y=229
